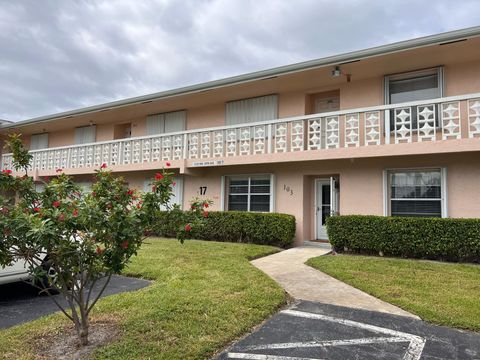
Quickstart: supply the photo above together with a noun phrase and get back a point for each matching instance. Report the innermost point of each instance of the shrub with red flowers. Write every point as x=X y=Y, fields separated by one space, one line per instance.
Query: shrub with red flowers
x=75 y=241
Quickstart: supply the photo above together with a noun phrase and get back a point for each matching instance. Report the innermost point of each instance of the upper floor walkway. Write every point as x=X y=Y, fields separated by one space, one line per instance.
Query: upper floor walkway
x=448 y=124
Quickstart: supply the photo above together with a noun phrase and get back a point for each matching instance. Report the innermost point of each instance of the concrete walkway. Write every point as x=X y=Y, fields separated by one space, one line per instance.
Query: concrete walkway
x=305 y=283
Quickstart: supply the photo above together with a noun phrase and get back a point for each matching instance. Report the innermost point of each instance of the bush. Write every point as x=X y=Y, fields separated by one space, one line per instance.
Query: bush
x=428 y=238
x=235 y=226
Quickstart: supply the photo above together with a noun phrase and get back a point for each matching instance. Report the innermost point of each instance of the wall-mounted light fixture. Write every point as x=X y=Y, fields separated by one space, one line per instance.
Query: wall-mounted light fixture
x=336 y=72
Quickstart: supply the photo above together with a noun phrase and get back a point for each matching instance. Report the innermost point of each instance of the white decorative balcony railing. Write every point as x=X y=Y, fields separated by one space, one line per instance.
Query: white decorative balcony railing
x=433 y=120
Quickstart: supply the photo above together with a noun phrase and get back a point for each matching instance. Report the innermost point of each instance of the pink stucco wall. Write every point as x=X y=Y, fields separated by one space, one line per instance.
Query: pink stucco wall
x=361 y=184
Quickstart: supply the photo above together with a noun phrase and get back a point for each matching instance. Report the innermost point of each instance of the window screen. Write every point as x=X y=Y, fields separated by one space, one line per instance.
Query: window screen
x=249 y=193
x=85 y=135
x=420 y=85
x=261 y=108
x=39 y=141
x=166 y=122
x=412 y=89
x=416 y=193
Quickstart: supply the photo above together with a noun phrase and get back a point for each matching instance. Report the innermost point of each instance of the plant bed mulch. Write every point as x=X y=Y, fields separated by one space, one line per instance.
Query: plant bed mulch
x=64 y=344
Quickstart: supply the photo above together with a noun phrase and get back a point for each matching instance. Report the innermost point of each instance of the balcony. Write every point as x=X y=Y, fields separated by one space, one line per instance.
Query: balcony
x=432 y=126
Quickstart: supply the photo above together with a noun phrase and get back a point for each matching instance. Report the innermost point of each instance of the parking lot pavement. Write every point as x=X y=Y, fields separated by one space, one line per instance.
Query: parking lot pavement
x=313 y=331
x=20 y=302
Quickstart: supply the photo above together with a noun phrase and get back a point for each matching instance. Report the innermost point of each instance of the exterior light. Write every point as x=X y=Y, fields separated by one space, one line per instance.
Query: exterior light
x=336 y=72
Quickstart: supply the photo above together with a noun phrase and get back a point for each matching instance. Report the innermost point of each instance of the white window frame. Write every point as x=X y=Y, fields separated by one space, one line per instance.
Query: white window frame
x=224 y=196
x=413 y=74
x=443 y=190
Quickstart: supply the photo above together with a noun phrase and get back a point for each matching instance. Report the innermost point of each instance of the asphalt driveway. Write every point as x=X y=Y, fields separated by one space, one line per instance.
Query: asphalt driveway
x=20 y=302
x=314 y=331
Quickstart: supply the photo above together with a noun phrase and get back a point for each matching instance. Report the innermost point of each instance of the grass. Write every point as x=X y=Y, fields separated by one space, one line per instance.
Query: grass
x=204 y=295
x=441 y=293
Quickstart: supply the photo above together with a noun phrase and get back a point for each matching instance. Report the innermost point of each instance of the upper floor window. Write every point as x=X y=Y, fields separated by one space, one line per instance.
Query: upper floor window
x=416 y=193
x=39 y=141
x=250 y=193
x=413 y=86
x=166 y=122
x=256 y=109
x=85 y=134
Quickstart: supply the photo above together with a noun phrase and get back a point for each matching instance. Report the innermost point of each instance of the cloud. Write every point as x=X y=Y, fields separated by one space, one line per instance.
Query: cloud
x=58 y=55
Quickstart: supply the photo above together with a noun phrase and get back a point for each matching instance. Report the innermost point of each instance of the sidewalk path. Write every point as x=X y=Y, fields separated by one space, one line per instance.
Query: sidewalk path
x=305 y=283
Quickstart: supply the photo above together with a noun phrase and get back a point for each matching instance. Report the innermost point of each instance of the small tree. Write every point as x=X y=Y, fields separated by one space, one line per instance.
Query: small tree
x=73 y=240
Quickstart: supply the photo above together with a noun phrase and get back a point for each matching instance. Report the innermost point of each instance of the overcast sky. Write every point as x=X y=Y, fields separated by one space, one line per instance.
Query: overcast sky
x=65 y=54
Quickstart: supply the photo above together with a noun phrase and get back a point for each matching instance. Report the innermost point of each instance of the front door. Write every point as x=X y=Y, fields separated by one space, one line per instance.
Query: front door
x=326 y=200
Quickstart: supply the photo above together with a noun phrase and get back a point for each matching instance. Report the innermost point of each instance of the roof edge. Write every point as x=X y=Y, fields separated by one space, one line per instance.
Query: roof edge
x=262 y=74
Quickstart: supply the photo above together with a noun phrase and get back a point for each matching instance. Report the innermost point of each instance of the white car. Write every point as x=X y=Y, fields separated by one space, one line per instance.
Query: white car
x=18 y=271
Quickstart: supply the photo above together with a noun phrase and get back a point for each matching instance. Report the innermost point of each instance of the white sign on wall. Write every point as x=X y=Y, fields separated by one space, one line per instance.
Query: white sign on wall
x=208 y=163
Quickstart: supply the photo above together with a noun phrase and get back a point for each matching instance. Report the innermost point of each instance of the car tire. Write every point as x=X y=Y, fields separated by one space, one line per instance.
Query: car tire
x=44 y=282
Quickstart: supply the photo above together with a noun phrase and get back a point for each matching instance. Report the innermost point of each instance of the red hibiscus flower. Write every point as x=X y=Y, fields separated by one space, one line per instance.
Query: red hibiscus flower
x=205 y=205
x=36 y=209
x=158 y=176
x=205 y=214
x=124 y=245
x=188 y=227
x=56 y=203
x=103 y=166
x=168 y=164
x=61 y=217
x=7 y=171
x=59 y=170
x=75 y=212
x=130 y=192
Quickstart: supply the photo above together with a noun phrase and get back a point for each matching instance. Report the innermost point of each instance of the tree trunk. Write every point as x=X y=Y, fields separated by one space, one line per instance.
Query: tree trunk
x=84 y=333
x=83 y=326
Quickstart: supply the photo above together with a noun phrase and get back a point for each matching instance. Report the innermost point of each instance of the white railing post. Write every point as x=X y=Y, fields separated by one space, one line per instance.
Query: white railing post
x=269 y=139
x=185 y=146
x=387 y=126
x=69 y=154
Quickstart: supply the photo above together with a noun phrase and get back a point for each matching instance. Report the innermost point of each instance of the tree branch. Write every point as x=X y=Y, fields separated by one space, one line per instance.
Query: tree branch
x=100 y=293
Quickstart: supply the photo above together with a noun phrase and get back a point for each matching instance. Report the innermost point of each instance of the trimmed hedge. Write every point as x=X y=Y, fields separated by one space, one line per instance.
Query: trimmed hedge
x=428 y=238
x=236 y=226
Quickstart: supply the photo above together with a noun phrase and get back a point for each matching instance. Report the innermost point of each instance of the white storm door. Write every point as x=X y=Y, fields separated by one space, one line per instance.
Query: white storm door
x=323 y=208
x=334 y=196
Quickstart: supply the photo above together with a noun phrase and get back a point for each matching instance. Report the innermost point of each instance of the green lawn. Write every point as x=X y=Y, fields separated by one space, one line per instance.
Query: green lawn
x=204 y=295
x=442 y=293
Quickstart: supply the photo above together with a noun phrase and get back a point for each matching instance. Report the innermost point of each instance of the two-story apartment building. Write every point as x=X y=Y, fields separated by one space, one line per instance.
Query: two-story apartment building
x=391 y=130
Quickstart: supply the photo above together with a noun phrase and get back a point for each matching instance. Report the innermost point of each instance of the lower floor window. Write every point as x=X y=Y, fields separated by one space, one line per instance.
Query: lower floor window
x=177 y=191
x=415 y=193
x=249 y=193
